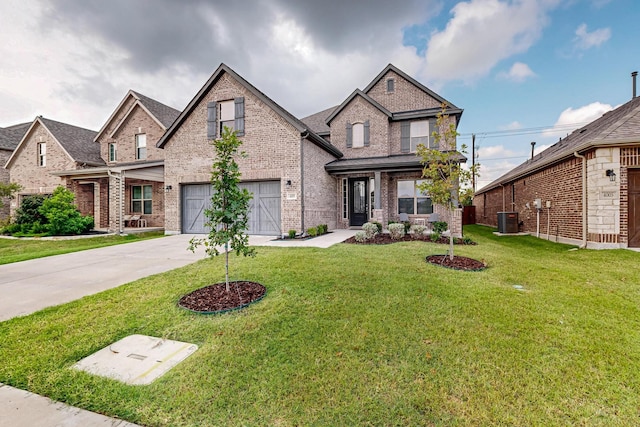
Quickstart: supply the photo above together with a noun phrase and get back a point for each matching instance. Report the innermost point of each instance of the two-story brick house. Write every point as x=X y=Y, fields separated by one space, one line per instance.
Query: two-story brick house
x=131 y=182
x=342 y=167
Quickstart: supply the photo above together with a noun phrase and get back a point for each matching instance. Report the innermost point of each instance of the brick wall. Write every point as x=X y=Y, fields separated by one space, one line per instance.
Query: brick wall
x=271 y=143
x=4 y=178
x=405 y=97
x=320 y=197
x=358 y=111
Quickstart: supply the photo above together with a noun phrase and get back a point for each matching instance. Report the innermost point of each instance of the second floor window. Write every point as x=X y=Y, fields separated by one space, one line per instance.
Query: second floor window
x=113 y=154
x=415 y=133
x=358 y=135
x=141 y=146
x=225 y=113
x=42 y=154
x=419 y=134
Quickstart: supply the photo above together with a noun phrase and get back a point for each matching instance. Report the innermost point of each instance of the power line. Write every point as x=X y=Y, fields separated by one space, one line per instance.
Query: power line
x=523 y=131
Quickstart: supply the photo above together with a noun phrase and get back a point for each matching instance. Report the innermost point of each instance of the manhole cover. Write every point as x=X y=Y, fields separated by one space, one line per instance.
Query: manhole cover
x=136 y=359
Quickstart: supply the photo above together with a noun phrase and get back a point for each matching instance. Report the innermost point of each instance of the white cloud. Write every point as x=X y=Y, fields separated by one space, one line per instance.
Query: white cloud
x=480 y=34
x=572 y=119
x=519 y=72
x=515 y=125
x=585 y=40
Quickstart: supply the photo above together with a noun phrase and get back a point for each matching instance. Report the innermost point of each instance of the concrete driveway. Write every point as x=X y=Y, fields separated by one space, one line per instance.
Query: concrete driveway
x=32 y=285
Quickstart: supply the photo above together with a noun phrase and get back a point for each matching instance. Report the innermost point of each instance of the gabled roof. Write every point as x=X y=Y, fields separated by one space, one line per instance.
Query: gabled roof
x=411 y=80
x=363 y=95
x=10 y=136
x=220 y=71
x=318 y=122
x=617 y=127
x=75 y=141
x=162 y=114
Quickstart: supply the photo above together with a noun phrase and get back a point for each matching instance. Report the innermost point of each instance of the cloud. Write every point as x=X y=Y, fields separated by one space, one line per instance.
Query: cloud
x=585 y=40
x=480 y=34
x=515 y=125
x=572 y=119
x=518 y=73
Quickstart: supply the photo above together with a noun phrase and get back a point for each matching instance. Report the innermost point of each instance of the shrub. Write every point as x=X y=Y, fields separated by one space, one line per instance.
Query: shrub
x=313 y=231
x=467 y=240
x=360 y=237
x=396 y=231
x=377 y=225
x=322 y=229
x=440 y=227
x=29 y=210
x=370 y=230
x=435 y=237
x=407 y=226
x=63 y=217
x=418 y=229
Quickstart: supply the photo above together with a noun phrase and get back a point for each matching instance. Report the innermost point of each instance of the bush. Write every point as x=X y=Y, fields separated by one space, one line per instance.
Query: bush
x=322 y=229
x=370 y=230
x=360 y=237
x=292 y=234
x=63 y=217
x=396 y=231
x=418 y=229
x=467 y=240
x=407 y=226
x=435 y=237
x=377 y=225
x=29 y=210
x=313 y=231
x=440 y=227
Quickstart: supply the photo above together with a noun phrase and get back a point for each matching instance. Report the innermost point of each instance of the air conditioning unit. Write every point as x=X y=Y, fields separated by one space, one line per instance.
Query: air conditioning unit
x=507 y=222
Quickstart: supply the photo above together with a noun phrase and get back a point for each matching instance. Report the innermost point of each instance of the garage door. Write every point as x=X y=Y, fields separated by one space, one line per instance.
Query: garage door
x=264 y=208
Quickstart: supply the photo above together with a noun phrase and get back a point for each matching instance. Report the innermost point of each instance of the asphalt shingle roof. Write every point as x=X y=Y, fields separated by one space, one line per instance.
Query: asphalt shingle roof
x=11 y=136
x=78 y=142
x=167 y=115
x=619 y=125
x=317 y=122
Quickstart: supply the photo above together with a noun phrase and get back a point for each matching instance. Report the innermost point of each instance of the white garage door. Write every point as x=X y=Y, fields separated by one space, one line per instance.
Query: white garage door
x=264 y=209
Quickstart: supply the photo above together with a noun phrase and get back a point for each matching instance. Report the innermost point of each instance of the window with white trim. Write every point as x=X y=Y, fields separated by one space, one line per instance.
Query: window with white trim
x=141 y=146
x=358 y=135
x=345 y=198
x=419 y=134
x=113 y=152
x=142 y=199
x=42 y=154
x=227 y=115
x=391 y=85
x=411 y=200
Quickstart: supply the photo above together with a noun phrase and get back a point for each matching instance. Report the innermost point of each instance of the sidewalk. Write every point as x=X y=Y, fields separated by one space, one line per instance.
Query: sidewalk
x=29 y=286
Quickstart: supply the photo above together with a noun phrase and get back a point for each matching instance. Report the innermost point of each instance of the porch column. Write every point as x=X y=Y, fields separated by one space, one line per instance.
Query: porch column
x=377 y=203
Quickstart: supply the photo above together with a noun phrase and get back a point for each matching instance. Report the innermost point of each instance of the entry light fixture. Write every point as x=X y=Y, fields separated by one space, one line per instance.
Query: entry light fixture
x=611 y=174
x=288 y=183
x=167 y=188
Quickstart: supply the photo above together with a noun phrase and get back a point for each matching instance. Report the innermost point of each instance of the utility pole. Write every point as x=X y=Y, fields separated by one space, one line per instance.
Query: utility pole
x=473 y=162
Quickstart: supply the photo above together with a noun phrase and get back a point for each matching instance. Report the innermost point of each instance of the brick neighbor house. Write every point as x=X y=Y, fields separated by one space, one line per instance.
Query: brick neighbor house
x=342 y=167
x=9 y=139
x=584 y=190
x=131 y=182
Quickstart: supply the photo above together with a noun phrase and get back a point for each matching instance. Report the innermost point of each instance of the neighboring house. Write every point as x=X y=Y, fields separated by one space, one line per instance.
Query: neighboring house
x=9 y=139
x=587 y=184
x=48 y=146
x=341 y=167
x=131 y=182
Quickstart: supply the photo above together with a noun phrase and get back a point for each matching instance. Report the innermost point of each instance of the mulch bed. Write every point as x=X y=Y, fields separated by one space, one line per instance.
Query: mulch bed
x=215 y=298
x=457 y=263
x=385 y=239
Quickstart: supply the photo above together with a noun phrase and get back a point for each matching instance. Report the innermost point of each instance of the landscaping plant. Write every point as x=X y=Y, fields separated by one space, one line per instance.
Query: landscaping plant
x=396 y=230
x=370 y=230
x=229 y=211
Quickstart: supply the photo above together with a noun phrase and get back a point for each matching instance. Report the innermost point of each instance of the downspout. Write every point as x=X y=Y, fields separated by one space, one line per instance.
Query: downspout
x=584 y=199
x=502 y=185
x=303 y=136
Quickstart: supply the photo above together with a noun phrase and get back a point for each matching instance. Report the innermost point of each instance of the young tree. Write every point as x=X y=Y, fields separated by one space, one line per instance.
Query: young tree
x=228 y=214
x=442 y=168
x=7 y=190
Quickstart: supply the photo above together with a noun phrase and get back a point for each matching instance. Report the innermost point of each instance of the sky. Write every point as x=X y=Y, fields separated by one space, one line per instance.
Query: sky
x=523 y=70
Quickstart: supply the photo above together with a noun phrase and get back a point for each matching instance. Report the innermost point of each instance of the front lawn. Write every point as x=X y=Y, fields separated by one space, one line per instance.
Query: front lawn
x=14 y=250
x=363 y=335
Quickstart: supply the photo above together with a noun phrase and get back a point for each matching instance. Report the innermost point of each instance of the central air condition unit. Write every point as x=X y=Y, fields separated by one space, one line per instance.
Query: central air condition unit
x=507 y=222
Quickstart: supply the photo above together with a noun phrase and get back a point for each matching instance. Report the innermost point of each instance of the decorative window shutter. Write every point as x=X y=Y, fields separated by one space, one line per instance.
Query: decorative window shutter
x=433 y=142
x=211 y=120
x=366 y=133
x=349 y=135
x=239 y=124
x=405 y=137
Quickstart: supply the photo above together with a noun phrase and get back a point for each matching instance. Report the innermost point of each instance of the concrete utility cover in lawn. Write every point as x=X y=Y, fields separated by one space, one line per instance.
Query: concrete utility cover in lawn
x=136 y=359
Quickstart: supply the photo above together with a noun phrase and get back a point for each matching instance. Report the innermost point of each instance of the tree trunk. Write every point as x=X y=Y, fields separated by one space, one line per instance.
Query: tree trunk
x=451 y=234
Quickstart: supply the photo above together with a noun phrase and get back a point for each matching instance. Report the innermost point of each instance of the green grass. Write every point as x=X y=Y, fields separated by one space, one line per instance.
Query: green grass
x=363 y=335
x=14 y=250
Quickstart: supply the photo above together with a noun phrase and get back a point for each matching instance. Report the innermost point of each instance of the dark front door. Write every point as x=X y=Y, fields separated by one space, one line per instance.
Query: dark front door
x=358 y=201
x=634 y=208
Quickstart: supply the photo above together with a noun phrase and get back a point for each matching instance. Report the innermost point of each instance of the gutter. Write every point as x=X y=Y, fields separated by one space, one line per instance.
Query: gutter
x=584 y=199
x=303 y=136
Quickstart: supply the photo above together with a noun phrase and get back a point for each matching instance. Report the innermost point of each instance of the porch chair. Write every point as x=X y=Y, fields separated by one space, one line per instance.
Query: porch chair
x=126 y=219
x=135 y=221
x=403 y=217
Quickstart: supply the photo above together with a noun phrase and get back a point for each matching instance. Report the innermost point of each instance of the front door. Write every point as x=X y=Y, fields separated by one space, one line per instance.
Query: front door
x=358 y=201
x=634 y=208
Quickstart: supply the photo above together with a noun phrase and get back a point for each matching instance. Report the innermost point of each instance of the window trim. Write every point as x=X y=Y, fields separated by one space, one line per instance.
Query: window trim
x=416 y=196
x=391 y=85
x=357 y=136
x=222 y=121
x=345 y=198
x=113 y=152
x=142 y=199
x=139 y=147
x=42 y=154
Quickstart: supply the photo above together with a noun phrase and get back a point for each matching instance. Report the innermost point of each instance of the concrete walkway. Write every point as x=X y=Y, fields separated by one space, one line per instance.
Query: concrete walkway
x=30 y=286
